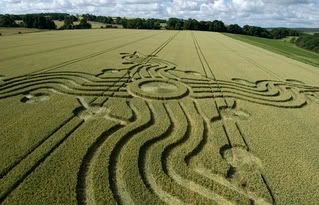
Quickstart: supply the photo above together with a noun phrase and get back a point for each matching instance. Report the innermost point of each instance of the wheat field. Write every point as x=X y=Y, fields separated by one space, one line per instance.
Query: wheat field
x=155 y=117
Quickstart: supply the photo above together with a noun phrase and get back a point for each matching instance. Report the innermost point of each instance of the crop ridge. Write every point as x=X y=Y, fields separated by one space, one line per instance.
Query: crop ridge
x=82 y=181
x=12 y=187
x=235 y=142
x=145 y=146
x=146 y=121
x=150 y=151
x=15 y=163
x=184 y=178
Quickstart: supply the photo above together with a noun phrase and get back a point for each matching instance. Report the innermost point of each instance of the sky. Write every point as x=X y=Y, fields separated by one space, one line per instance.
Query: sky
x=265 y=13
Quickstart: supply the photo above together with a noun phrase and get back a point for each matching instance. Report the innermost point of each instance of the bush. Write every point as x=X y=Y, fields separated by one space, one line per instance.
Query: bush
x=279 y=33
x=293 y=40
x=310 y=42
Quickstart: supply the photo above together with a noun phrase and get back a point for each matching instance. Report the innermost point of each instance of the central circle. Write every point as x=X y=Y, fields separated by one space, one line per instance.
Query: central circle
x=158 y=89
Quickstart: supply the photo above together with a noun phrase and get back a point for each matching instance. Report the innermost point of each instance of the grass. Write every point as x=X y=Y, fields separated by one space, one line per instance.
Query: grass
x=283 y=47
x=114 y=116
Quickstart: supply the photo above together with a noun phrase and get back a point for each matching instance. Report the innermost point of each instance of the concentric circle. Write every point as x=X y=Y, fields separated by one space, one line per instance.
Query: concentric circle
x=158 y=89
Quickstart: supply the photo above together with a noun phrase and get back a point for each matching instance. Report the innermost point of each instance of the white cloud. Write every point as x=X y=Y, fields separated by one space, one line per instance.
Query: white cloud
x=291 y=13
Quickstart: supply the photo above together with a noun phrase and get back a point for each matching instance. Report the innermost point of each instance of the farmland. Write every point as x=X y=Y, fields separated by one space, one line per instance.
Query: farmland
x=14 y=31
x=283 y=47
x=155 y=117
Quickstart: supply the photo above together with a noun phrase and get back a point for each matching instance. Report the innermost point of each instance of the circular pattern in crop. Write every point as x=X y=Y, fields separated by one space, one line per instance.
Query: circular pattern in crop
x=240 y=158
x=235 y=114
x=35 y=98
x=158 y=89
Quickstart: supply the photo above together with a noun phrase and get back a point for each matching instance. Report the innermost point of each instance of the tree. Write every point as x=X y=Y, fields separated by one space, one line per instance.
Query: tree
x=38 y=21
x=83 y=24
x=139 y=23
x=235 y=28
x=279 y=33
x=257 y=31
x=175 y=23
x=118 y=20
x=178 y=25
x=187 y=24
x=68 y=22
x=204 y=25
x=218 y=26
x=310 y=42
x=28 y=20
x=7 y=21
x=124 y=23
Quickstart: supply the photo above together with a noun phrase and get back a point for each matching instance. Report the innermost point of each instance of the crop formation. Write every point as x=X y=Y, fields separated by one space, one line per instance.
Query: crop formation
x=145 y=133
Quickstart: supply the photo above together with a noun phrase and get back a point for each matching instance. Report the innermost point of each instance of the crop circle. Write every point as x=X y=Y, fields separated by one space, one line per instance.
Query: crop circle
x=158 y=89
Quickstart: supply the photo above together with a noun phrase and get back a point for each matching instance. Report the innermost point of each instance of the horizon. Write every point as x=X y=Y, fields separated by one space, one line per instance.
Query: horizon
x=263 y=13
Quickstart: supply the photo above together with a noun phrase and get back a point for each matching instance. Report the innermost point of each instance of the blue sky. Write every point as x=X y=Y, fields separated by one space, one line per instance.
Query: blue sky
x=266 y=13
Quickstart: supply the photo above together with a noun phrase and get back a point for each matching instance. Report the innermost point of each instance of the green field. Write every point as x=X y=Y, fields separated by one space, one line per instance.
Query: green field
x=113 y=116
x=282 y=47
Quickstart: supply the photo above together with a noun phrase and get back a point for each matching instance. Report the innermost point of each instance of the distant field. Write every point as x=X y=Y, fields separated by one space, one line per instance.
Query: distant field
x=281 y=47
x=94 y=24
x=13 y=31
x=114 y=116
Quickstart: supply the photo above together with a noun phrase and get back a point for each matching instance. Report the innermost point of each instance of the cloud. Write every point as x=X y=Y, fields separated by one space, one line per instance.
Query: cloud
x=267 y=13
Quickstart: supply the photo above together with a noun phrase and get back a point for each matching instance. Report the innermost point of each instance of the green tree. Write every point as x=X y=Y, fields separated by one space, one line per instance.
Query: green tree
x=68 y=22
x=218 y=26
x=38 y=21
x=235 y=28
x=118 y=20
x=83 y=24
x=7 y=21
x=279 y=33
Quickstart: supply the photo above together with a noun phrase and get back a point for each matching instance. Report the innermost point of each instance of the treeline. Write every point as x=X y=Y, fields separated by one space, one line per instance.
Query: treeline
x=139 y=23
x=8 y=21
x=29 y=21
x=45 y=21
x=279 y=33
x=193 y=24
x=216 y=26
x=307 y=41
x=38 y=21
x=101 y=19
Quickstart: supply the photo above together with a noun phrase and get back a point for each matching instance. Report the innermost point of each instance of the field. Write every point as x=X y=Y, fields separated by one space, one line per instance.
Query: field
x=14 y=31
x=59 y=24
x=155 y=117
x=282 y=47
